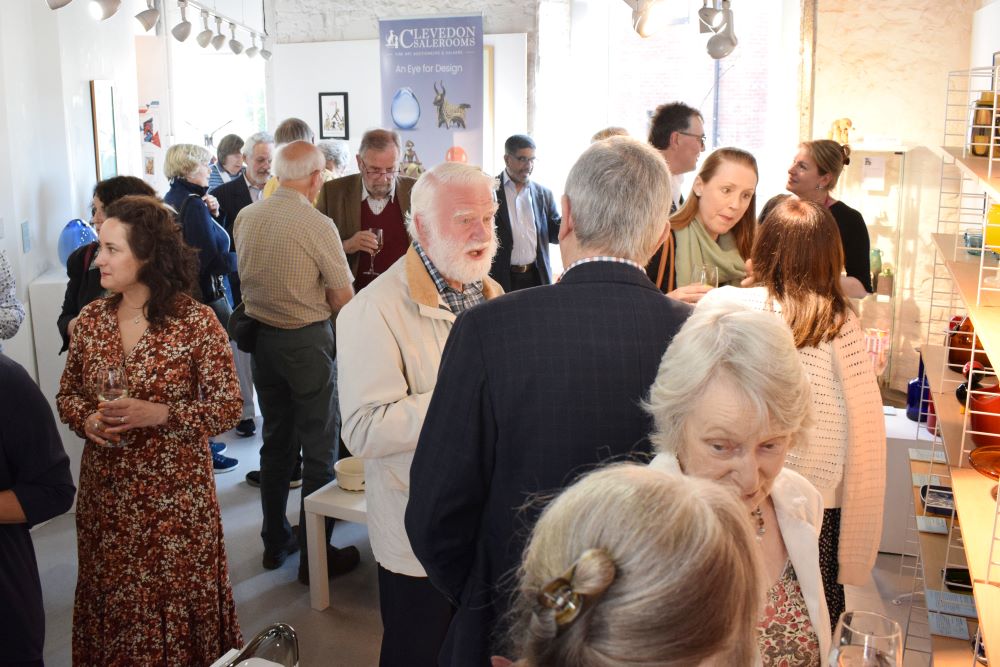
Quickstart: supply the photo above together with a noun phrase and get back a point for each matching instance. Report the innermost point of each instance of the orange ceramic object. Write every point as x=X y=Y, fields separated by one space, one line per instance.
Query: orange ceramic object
x=988 y=403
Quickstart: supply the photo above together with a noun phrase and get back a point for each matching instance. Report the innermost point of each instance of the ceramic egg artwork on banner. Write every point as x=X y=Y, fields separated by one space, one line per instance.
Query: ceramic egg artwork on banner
x=432 y=88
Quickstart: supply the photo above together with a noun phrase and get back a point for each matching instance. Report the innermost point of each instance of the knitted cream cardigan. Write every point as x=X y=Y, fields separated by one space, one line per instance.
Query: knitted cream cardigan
x=844 y=456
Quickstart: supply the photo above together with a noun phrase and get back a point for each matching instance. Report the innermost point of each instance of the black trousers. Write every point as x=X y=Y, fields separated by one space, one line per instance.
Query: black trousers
x=829 y=568
x=415 y=620
x=529 y=278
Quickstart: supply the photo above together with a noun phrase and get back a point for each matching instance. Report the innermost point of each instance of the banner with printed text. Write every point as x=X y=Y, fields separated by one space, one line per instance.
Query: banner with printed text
x=432 y=89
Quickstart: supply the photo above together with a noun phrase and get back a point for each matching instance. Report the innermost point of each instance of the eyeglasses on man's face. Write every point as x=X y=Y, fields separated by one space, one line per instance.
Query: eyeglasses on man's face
x=377 y=171
x=699 y=137
x=522 y=159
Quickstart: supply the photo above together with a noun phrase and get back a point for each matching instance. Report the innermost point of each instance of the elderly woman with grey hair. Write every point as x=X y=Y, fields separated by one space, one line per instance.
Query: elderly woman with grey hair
x=730 y=399
x=337 y=156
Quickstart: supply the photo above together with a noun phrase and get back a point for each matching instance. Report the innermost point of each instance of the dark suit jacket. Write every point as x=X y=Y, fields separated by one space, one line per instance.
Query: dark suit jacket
x=547 y=220
x=535 y=388
x=340 y=200
x=233 y=197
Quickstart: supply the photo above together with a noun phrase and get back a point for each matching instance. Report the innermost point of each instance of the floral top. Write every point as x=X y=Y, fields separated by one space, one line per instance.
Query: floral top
x=153 y=575
x=11 y=310
x=787 y=637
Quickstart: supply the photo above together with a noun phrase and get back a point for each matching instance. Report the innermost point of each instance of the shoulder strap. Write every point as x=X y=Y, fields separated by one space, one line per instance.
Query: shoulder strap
x=666 y=260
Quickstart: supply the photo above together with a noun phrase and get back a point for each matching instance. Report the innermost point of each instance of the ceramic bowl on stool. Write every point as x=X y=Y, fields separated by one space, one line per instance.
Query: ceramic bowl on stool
x=350 y=474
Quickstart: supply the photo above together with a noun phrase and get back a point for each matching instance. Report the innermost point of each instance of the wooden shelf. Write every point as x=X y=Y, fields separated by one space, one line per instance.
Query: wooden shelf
x=950 y=652
x=977 y=167
x=953 y=248
x=976 y=510
x=988 y=605
x=943 y=382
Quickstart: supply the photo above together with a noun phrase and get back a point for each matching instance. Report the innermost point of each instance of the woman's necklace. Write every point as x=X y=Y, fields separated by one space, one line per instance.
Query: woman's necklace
x=759 y=515
x=138 y=318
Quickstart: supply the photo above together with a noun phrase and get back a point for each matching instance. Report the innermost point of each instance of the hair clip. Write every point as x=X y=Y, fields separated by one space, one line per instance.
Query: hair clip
x=559 y=596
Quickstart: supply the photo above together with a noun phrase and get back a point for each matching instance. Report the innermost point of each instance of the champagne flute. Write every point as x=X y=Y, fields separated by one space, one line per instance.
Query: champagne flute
x=866 y=639
x=705 y=274
x=114 y=385
x=377 y=231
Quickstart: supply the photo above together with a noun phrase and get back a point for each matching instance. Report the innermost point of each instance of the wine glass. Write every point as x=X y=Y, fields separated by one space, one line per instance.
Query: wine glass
x=377 y=231
x=114 y=385
x=705 y=274
x=866 y=639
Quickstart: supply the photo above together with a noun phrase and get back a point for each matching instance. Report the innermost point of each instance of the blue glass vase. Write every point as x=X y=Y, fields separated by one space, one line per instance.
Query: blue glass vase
x=75 y=234
x=917 y=391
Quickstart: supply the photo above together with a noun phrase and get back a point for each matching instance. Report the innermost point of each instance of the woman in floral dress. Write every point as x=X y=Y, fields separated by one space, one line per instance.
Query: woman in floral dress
x=153 y=585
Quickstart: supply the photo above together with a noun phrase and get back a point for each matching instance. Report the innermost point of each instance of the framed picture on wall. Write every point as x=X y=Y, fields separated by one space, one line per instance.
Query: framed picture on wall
x=333 y=120
x=102 y=107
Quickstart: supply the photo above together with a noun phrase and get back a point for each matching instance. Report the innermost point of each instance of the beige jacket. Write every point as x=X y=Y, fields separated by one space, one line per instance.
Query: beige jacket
x=390 y=338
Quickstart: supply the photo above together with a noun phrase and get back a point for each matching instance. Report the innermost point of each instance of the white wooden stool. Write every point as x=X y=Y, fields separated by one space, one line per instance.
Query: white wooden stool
x=329 y=501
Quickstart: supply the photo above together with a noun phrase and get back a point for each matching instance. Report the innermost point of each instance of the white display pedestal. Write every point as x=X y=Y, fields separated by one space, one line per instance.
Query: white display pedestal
x=45 y=294
x=900 y=435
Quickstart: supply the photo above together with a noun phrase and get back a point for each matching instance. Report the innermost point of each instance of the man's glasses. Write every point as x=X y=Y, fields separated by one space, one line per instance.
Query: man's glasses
x=375 y=171
x=522 y=159
x=699 y=137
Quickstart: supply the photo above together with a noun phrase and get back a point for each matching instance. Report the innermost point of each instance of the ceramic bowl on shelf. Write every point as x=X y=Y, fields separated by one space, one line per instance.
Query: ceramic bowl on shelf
x=350 y=474
x=986 y=461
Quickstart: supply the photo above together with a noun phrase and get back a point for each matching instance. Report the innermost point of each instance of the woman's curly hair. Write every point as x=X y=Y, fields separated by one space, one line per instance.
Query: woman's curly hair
x=169 y=266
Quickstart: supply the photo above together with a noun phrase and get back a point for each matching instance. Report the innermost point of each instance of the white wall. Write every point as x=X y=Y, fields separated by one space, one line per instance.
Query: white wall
x=299 y=72
x=884 y=65
x=985 y=38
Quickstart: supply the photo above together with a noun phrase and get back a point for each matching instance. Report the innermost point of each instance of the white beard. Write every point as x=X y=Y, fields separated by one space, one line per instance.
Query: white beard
x=449 y=257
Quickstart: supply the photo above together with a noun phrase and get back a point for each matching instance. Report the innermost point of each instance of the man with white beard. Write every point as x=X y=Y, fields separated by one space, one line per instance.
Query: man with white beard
x=390 y=338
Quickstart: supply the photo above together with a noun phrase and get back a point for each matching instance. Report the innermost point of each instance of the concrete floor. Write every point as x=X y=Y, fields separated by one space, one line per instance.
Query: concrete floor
x=348 y=633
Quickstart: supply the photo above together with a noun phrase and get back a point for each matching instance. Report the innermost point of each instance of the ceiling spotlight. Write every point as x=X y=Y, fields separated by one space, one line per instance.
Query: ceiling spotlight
x=709 y=18
x=253 y=50
x=148 y=17
x=182 y=30
x=722 y=43
x=104 y=9
x=264 y=53
x=648 y=16
x=58 y=4
x=205 y=36
x=219 y=38
x=234 y=44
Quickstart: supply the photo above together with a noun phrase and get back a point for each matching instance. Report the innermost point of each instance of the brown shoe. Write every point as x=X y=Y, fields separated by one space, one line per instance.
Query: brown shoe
x=338 y=561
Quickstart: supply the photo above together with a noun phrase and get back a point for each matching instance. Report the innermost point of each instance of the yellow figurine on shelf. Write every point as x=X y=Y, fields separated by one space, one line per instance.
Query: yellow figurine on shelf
x=840 y=131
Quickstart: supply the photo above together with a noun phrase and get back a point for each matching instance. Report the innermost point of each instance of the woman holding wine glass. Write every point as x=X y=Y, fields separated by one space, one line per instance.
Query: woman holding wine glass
x=714 y=229
x=797 y=261
x=729 y=403
x=153 y=577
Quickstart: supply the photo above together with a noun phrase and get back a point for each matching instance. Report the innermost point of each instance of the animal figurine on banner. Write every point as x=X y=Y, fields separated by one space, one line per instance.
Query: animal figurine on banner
x=449 y=114
x=840 y=131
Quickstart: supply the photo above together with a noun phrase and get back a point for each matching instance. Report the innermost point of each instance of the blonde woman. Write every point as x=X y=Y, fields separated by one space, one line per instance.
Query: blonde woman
x=635 y=566
x=797 y=264
x=187 y=168
x=729 y=402
x=813 y=176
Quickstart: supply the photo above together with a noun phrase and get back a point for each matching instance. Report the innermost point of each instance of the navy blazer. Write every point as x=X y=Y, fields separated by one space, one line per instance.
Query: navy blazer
x=547 y=220
x=233 y=197
x=535 y=388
